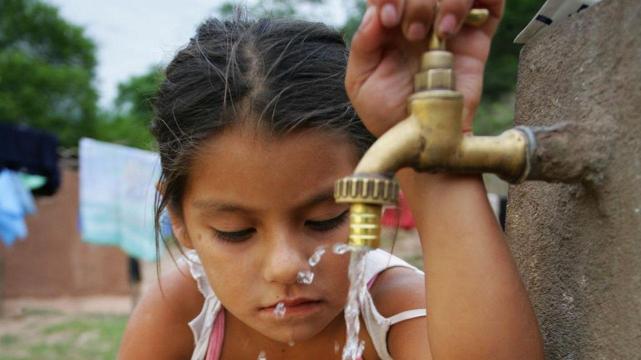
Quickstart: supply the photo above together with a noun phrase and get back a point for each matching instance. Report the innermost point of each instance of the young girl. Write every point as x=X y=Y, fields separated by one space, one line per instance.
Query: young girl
x=254 y=127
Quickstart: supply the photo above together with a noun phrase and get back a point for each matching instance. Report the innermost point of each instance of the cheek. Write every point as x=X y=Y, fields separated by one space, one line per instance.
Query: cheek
x=229 y=270
x=231 y=281
x=333 y=269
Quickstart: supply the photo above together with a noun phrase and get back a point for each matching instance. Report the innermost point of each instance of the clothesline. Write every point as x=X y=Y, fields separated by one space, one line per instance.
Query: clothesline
x=117 y=187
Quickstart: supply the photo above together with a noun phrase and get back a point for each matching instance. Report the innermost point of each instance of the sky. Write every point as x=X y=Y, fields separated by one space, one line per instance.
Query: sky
x=133 y=35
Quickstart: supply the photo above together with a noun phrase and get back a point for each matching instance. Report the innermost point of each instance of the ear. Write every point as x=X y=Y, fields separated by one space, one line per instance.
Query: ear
x=179 y=229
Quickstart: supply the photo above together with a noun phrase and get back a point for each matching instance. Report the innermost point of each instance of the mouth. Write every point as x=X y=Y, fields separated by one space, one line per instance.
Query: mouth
x=294 y=307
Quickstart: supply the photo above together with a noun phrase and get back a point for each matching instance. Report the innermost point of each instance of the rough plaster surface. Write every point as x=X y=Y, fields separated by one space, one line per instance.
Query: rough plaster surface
x=578 y=246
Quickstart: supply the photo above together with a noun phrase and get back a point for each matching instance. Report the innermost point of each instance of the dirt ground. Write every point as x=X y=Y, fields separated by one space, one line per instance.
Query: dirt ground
x=69 y=327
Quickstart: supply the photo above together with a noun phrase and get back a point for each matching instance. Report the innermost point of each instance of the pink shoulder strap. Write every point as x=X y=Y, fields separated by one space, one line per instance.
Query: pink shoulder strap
x=216 y=339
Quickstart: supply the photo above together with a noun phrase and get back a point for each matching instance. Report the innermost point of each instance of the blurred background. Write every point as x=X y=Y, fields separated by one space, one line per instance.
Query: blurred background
x=73 y=69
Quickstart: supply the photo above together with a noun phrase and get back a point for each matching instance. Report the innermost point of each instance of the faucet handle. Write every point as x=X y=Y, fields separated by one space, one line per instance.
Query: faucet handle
x=476 y=17
x=436 y=63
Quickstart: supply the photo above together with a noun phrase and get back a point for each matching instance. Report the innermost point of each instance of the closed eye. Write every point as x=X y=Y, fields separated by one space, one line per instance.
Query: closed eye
x=234 y=236
x=329 y=224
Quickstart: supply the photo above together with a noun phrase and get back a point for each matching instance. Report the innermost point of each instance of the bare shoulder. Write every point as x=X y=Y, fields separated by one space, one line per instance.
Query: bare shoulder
x=399 y=289
x=158 y=326
x=393 y=282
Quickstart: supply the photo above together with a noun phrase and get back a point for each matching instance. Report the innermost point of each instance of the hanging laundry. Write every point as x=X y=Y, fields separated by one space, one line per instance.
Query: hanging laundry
x=32 y=151
x=32 y=182
x=117 y=192
x=16 y=202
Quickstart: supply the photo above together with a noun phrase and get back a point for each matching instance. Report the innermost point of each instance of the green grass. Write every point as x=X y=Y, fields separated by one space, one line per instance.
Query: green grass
x=64 y=337
x=8 y=340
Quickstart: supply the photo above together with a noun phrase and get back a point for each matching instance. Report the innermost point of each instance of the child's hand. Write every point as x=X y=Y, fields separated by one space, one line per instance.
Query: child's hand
x=386 y=50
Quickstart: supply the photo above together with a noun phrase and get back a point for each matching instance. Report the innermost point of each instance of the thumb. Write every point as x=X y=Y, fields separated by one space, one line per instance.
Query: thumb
x=366 y=50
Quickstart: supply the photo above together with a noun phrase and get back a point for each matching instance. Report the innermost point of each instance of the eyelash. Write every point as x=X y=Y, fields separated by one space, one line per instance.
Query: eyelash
x=330 y=224
x=320 y=226
x=234 y=236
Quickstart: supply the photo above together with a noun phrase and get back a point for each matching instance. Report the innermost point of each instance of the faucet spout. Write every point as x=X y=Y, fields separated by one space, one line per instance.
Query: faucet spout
x=399 y=147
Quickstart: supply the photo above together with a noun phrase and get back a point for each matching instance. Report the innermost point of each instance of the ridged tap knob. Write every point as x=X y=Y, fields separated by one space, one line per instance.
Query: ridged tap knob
x=367 y=190
x=367 y=195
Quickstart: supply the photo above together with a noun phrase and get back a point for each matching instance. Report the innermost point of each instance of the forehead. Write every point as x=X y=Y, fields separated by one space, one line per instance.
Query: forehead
x=260 y=171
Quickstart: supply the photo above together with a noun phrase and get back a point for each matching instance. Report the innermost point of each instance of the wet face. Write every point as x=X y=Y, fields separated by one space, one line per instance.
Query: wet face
x=255 y=209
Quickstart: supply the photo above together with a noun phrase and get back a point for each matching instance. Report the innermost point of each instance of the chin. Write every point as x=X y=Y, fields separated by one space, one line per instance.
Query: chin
x=296 y=336
x=295 y=332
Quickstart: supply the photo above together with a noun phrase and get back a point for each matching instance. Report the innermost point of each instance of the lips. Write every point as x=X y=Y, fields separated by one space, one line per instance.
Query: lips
x=294 y=307
x=292 y=302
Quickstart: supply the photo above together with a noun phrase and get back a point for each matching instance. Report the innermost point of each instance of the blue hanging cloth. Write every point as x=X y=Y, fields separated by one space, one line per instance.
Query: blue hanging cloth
x=32 y=151
x=16 y=202
x=117 y=192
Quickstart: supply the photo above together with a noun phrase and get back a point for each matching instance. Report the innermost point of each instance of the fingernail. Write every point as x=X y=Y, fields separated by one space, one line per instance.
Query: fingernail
x=447 y=26
x=389 y=16
x=416 y=31
x=367 y=17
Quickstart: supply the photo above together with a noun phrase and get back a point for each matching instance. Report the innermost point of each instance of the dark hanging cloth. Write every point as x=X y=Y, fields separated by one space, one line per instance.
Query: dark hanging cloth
x=32 y=151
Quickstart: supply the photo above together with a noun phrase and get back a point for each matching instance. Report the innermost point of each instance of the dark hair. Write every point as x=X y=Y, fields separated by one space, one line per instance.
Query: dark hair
x=277 y=74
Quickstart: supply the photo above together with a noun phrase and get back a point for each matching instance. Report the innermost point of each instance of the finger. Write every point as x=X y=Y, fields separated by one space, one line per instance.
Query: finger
x=389 y=11
x=366 y=49
x=450 y=16
x=417 y=18
x=469 y=81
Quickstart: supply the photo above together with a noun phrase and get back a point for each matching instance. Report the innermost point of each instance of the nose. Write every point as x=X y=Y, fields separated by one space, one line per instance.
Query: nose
x=284 y=258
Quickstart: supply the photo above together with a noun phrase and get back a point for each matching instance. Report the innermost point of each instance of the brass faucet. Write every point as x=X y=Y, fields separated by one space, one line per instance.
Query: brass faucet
x=430 y=139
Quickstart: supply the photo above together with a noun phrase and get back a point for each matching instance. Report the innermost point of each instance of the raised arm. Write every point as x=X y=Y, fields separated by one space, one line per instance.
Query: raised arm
x=477 y=305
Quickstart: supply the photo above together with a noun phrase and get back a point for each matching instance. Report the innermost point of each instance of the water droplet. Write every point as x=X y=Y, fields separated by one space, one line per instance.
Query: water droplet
x=341 y=249
x=351 y=310
x=291 y=343
x=316 y=256
x=305 y=277
x=262 y=356
x=337 y=347
x=361 y=348
x=280 y=310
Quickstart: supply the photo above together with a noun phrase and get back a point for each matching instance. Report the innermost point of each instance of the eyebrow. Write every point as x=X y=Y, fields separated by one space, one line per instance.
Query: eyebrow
x=209 y=205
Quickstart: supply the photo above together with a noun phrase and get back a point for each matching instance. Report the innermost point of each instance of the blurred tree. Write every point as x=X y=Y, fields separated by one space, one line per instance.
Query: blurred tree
x=128 y=122
x=500 y=73
x=496 y=112
x=46 y=71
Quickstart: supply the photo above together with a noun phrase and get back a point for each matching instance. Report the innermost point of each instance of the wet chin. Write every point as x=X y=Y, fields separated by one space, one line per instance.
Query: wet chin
x=293 y=333
x=296 y=332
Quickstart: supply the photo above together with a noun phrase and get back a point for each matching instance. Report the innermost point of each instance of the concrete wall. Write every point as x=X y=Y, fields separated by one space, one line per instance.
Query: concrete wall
x=578 y=246
x=53 y=261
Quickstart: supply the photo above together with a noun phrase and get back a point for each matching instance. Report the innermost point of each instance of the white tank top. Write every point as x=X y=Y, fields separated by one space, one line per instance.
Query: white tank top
x=376 y=324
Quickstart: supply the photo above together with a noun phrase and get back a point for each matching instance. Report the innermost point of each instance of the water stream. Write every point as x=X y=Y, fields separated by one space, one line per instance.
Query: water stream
x=353 y=346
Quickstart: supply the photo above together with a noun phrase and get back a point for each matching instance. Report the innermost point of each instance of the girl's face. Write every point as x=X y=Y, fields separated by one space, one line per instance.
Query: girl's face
x=255 y=209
